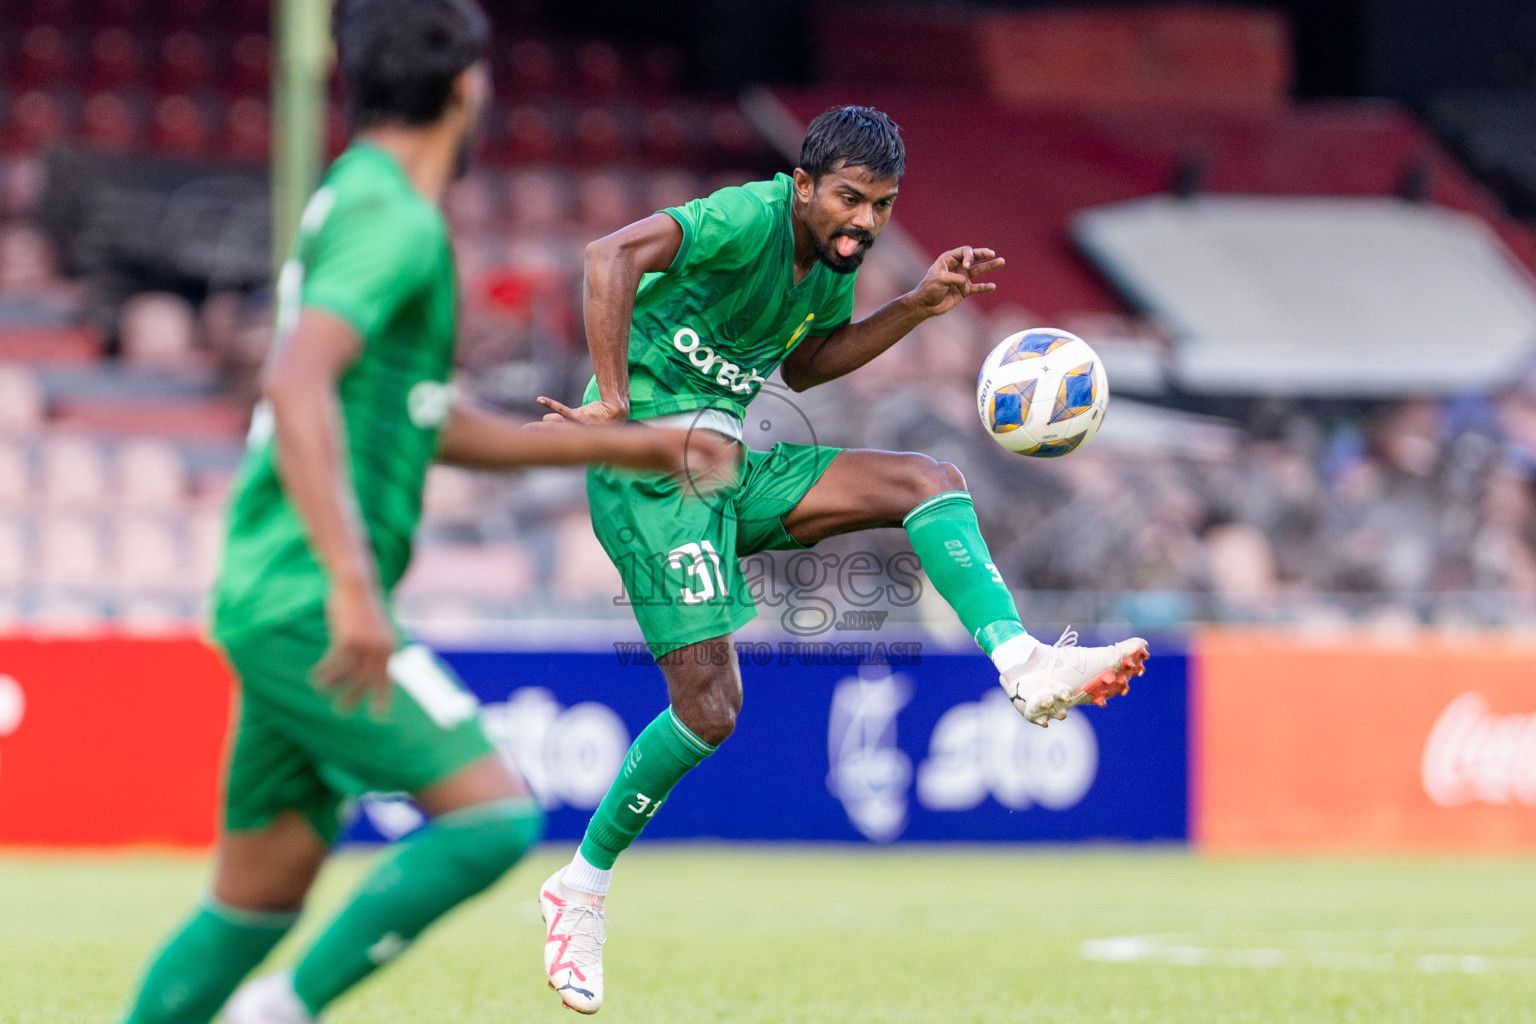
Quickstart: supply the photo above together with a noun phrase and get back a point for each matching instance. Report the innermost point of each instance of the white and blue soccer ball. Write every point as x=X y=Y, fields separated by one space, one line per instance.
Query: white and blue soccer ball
x=1042 y=392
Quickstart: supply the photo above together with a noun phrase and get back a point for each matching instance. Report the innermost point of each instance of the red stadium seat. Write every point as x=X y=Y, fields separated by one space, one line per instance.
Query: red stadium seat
x=250 y=64
x=532 y=70
x=600 y=137
x=46 y=56
x=185 y=62
x=179 y=15
x=599 y=71
x=48 y=12
x=665 y=136
x=109 y=123
x=116 y=59
x=117 y=13
x=336 y=133
x=661 y=71
x=250 y=15
x=247 y=129
x=180 y=128
x=38 y=120
x=531 y=135
x=731 y=135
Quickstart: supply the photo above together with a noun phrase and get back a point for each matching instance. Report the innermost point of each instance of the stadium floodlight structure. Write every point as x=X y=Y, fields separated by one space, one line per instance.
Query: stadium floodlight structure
x=304 y=54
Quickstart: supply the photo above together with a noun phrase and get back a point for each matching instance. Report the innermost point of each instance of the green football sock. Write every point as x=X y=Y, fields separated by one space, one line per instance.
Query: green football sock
x=661 y=755
x=202 y=963
x=947 y=540
x=454 y=858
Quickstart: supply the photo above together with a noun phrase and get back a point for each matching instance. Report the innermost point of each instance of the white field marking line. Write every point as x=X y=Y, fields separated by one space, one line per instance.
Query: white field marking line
x=1177 y=950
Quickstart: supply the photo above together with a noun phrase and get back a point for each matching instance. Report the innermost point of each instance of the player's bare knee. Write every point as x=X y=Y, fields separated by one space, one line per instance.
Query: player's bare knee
x=923 y=478
x=707 y=701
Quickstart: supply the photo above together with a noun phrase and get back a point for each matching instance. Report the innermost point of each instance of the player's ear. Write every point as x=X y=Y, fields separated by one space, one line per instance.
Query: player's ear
x=470 y=89
x=805 y=185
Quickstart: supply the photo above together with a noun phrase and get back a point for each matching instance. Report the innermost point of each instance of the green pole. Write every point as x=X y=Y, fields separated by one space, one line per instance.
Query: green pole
x=303 y=42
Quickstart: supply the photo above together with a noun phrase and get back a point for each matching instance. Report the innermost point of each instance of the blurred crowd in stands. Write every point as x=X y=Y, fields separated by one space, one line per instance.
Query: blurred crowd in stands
x=121 y=418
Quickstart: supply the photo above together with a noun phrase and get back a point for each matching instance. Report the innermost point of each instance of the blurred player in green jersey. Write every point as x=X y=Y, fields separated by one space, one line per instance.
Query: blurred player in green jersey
x=687 y=313
x=333 y=700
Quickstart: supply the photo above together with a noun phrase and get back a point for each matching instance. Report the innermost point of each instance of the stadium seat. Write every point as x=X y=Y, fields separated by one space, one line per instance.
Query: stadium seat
x=601 y=137
x=157 y=329
x=47 y=56
x=147 y=552
x=250 y=65
x=661 y=71
x=600 y=72
x=109 y=123
x=116 y=59
x=185 y=62
x=74 y=472
x=15 y=560
x=205 y=545
x=532 y=69
x=247 y=129
x=185 y=15
x=117 y=13
x=70 y=551
x=606 y=203
x=150 y=474
x=22 y=403
x=180 y=128
x=531 y=135
x=665 y=138
x=45 y=12
x=38 y=120
x=581 y=567
x=15 y=474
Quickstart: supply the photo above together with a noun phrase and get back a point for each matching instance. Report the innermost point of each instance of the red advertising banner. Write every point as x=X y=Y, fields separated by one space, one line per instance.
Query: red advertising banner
x=110 y=741
x=1363 y=741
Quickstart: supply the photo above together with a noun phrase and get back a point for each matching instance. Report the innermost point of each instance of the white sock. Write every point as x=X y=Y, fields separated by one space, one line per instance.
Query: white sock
x=1012 y=654
x=582 y=876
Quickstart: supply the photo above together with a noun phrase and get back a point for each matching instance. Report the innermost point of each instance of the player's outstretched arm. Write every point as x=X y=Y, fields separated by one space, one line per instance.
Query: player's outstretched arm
x=614 y=265
x=488 y=440
x=300 y=386
x=949 y=281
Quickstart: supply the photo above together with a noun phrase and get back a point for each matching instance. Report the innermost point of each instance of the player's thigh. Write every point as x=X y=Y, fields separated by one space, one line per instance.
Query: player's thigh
x=676 y=554
x=267 y=771
x=428 y=732
x=774 y=484
x=862 y=489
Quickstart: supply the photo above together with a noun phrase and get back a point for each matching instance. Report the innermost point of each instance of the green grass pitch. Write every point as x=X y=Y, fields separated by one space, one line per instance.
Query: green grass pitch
x=900 y=936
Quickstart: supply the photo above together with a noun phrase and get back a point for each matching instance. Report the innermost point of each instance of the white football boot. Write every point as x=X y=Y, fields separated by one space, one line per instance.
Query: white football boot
x=268 y=1000
x=573 y=946
x=1057 y=679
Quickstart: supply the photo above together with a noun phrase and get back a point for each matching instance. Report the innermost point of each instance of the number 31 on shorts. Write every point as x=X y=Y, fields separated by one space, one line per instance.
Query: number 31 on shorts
x=698 y=559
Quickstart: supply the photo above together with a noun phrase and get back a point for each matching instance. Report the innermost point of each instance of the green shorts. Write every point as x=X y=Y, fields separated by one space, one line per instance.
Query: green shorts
x=293 y=748
x=678 y=553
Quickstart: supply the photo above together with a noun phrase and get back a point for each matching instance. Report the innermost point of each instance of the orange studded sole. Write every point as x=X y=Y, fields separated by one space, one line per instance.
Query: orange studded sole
x=1114 y=683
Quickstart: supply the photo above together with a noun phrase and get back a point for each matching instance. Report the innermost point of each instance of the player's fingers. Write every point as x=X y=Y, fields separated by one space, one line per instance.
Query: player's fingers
x=986 y=266
x=563 y=411
x=953 y=279
x=978 y=289
x=967 y=257
x=331 y=669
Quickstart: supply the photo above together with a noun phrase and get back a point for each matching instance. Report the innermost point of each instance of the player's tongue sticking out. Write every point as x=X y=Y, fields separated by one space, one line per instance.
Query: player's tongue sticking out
x=847 y=246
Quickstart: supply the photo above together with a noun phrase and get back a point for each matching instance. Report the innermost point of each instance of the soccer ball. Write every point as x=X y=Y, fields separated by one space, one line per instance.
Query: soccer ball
x=1042 y=392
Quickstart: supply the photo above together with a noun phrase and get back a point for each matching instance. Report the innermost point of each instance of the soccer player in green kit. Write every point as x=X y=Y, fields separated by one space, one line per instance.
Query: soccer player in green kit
x=687 y=312
x=333 y=701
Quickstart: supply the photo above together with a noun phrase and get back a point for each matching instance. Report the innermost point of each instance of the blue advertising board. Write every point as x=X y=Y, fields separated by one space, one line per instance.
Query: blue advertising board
x=922 y=747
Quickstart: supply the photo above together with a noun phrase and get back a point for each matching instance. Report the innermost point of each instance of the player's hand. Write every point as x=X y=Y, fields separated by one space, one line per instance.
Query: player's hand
x=593 y=414
x=952 y=279
x=362 y=641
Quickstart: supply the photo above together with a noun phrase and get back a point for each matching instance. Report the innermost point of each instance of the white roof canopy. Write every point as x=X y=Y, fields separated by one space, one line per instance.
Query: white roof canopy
x=1338 y=297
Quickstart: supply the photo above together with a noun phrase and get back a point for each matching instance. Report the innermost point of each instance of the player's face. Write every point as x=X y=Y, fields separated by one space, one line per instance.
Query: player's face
x=843 y=211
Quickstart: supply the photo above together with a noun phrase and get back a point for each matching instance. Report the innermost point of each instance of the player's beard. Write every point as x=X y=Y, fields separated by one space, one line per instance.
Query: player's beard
x=842 y=264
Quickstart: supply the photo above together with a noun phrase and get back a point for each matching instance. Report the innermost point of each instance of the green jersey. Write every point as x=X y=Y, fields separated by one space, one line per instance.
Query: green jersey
x=709 y=329
x=374 y=252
